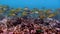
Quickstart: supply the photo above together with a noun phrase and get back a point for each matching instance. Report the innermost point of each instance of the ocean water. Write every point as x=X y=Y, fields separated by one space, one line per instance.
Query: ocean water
x=50 y=4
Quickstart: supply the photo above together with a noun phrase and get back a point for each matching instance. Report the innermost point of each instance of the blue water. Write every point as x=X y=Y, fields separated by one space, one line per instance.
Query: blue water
x=51 y=4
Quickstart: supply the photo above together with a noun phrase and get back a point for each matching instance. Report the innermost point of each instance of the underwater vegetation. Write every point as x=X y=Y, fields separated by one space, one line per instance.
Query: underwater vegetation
x=33 y=13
